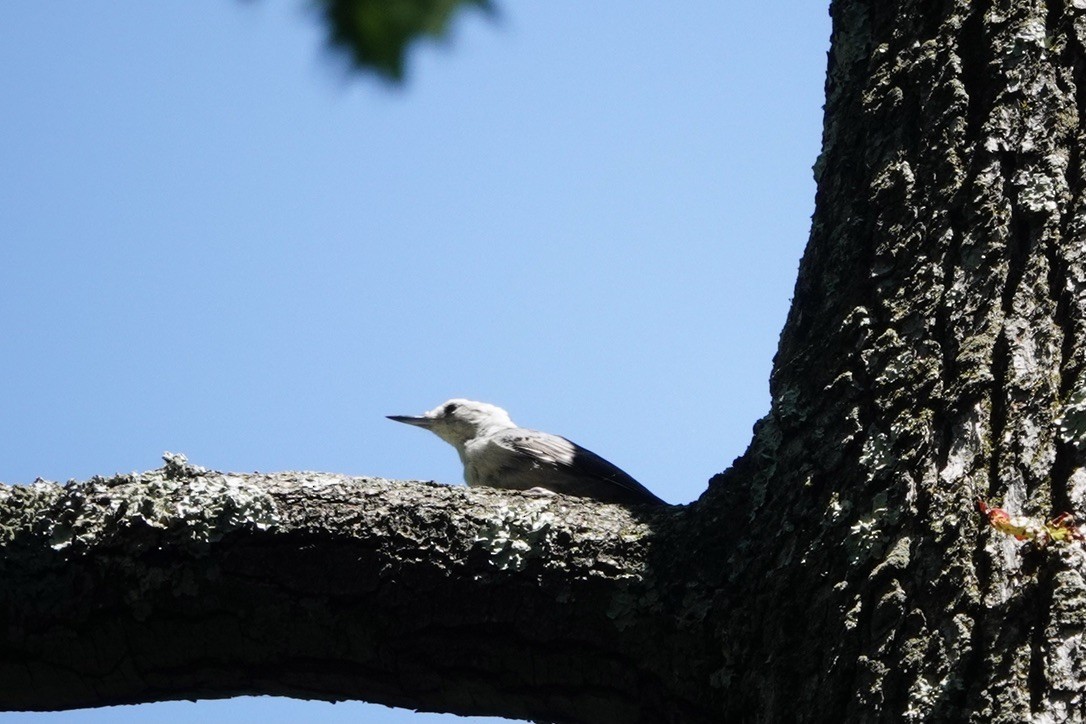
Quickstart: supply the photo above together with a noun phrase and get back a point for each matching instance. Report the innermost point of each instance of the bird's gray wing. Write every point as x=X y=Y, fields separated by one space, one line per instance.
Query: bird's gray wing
x=571 y=469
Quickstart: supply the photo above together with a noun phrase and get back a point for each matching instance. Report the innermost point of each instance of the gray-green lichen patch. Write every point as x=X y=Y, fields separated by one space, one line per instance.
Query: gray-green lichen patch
x=877 y=453
x=867 y=536
x=514 y=536
x=22 y=505
x=967 y=446
x=1040 y=190
x=179 y=503
x=1073 y=420
x=898 y=557
x=512 y=530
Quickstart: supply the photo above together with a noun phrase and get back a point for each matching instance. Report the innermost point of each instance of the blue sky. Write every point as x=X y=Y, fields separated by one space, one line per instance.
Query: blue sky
x=216 y=242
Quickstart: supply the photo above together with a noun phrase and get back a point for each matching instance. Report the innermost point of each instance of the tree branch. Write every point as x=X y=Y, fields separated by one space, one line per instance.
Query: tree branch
x=188 y=583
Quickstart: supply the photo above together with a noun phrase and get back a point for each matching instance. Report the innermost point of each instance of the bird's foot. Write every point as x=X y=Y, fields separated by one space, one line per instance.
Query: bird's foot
x=539 y=492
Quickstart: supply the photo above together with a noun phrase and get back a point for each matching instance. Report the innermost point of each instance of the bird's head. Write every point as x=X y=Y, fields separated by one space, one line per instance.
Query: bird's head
x=458 y=421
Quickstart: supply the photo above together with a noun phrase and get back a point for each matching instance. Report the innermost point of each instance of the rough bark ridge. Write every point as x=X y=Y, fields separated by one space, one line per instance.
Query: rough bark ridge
x=934 y=353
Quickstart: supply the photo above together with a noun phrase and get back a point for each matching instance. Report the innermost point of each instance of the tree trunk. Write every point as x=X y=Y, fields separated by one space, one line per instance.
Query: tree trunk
x=933 y=354
x=839 y=570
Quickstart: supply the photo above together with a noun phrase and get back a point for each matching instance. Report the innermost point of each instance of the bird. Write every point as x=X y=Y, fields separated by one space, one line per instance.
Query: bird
x=497 y=453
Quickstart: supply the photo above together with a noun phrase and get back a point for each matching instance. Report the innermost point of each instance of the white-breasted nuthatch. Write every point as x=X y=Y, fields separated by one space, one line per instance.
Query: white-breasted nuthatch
x=498 y=454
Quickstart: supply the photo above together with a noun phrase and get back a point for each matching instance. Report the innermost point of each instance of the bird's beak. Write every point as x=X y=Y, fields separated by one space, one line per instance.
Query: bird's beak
x=417 y=421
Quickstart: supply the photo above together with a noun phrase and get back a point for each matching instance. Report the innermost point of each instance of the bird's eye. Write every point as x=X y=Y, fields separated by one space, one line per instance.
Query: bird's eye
x=450 y=408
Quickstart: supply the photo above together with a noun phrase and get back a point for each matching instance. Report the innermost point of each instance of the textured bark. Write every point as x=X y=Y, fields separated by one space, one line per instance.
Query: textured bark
x=838 y=570
x=934 y=353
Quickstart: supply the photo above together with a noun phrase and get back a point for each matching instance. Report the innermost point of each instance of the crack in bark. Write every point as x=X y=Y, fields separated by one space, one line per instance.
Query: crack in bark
x=1055 y=13
x=973 y=660
x=1019 y=242
x=1042 y=606
x=1064 y=463
x=944 y=415
x=975 y=53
